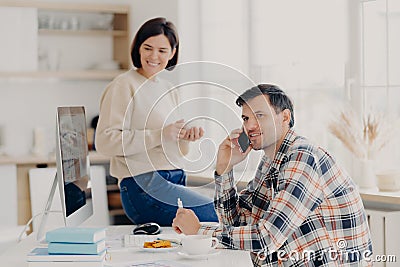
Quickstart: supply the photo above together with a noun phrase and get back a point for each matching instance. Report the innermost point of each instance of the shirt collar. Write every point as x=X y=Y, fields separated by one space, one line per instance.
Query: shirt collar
x=280 y=156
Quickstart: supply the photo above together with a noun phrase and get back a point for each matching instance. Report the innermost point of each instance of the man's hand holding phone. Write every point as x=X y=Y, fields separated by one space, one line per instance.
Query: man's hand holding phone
x=230 y=152
x=243 y=141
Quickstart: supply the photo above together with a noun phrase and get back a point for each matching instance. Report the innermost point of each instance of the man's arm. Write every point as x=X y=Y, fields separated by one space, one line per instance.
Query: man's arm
x=187 y=222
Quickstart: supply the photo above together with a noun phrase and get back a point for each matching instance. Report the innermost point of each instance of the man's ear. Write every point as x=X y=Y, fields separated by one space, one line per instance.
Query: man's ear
x=287 y=115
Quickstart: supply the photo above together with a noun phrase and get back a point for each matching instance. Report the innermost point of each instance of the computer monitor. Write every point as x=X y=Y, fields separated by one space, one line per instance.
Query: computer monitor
x=73 y=168
x=73 y=165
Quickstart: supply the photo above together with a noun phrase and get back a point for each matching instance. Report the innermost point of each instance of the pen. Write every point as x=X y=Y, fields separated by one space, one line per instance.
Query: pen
x=180 y=204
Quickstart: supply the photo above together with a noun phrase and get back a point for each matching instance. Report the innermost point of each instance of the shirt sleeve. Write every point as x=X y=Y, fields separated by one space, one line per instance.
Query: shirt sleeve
x=298 y=196
x=233 y=209
x=115 y=134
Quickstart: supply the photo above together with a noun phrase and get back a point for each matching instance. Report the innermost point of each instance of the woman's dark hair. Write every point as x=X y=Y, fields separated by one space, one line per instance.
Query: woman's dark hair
x=151 y=28
x=278 y=99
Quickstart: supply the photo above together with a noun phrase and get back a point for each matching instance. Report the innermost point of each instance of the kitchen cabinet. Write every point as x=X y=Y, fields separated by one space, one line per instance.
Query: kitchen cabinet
x=75 y=41
x=8 y=195
x=382 y=224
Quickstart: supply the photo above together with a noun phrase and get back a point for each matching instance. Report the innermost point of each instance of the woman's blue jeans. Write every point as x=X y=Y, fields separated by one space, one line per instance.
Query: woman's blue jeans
x=152 y=197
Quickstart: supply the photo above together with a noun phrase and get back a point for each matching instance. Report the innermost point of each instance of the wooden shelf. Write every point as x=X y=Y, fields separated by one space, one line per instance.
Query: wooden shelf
x=122 y=9
x=113 y=187
x=116 y=212
x=83 y=32
x=65 y=75
x=95 y=158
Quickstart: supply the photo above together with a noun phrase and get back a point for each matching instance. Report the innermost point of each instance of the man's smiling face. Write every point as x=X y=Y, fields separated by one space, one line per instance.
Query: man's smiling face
x=262 y=124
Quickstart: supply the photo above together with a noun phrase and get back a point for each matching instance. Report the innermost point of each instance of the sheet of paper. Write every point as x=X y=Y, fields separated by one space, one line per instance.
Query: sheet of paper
x=158 y=263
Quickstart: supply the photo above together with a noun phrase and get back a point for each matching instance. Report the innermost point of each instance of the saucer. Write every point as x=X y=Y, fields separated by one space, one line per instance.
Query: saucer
x=209 y=223
x=157 y=250
x=198 y=256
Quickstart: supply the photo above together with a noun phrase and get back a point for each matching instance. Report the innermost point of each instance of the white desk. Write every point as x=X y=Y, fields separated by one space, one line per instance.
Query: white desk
x=16 y=256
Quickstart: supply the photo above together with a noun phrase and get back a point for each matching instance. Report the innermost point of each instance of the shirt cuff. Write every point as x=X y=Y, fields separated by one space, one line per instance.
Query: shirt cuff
x=152 y=137
x=208 y=230
x=224 y=182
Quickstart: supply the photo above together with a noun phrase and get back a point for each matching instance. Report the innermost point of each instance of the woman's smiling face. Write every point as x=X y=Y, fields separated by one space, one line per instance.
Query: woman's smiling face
x=155 y=52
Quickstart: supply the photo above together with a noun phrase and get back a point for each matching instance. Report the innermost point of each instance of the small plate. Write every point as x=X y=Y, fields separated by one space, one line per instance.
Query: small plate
x=174 y=247
x=199 y=256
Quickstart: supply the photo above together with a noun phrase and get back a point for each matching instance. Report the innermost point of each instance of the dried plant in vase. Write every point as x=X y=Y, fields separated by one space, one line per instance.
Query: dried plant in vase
x=363 y=137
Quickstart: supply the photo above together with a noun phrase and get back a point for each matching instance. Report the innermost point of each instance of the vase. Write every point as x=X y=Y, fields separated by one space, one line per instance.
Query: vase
x=364 y=174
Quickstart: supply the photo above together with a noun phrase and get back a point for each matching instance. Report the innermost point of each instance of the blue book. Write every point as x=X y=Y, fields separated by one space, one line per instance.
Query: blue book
x=41 y=254
x=76 y=235
x=76 y=248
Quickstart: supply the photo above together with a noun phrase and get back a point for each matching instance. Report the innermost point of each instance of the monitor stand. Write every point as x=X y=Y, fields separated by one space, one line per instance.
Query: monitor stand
x=40 y=234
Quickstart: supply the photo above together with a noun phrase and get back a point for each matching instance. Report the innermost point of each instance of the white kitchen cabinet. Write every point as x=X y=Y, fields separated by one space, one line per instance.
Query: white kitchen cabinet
x=9 y=228
x=384 y=227
x=8 y=195
x=18 y=29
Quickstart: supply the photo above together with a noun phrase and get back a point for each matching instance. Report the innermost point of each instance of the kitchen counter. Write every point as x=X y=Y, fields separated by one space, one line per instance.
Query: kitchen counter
x=375 y=199
x=95 y=158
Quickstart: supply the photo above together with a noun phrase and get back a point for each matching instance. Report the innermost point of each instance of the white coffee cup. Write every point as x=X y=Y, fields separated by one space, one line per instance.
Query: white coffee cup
x=198 y=244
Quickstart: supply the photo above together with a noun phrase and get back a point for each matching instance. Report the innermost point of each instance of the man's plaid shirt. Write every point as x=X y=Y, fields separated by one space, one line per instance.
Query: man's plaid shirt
x=301 y=209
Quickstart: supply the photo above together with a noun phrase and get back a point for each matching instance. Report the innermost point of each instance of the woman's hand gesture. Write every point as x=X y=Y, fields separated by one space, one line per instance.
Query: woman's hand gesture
x=193 y=134
x=174 y=131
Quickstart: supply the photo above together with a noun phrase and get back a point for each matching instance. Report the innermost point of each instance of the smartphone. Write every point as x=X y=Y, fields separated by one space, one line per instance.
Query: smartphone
x=244 y=141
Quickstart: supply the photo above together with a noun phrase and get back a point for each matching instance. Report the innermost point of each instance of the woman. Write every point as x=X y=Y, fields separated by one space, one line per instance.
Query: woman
x=137 y=128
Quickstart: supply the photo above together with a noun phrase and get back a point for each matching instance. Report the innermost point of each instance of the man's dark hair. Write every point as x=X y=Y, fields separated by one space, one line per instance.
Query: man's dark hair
x=152 y=28
x=277 y=98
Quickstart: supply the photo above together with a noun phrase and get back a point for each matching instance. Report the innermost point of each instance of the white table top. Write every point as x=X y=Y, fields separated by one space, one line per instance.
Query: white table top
x=16 y=256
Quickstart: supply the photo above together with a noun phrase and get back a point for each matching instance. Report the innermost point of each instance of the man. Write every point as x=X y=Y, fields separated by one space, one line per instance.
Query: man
x=301 y=209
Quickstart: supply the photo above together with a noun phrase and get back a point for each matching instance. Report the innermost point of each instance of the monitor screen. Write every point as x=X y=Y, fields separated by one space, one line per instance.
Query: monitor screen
x=73 y=165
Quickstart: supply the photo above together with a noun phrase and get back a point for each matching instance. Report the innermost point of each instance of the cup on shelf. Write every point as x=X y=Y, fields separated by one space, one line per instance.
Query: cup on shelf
x=39 y=141
x=74 y=23
x=198 y=244
x=102 y=22
x=43 y=21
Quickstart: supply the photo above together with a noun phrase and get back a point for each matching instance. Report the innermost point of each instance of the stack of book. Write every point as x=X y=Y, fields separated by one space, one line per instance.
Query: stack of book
x=67 y=246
